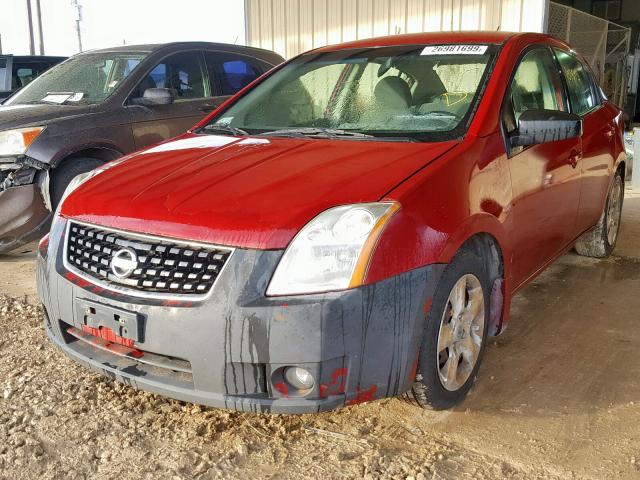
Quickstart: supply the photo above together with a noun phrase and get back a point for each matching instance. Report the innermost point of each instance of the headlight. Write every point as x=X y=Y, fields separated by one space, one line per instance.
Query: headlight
x=16 y=142
x=332 y=251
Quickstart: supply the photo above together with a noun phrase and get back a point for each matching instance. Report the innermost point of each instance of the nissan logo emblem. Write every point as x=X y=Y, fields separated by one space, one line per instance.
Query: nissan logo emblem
x=124 y=262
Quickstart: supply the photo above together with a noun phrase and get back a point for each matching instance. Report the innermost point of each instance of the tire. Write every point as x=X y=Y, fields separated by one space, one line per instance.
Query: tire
x=600 y=241
x=431 y=388
x=67 y=171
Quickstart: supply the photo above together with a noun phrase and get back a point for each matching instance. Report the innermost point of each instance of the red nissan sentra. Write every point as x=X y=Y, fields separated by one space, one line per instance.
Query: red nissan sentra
x=351 y=226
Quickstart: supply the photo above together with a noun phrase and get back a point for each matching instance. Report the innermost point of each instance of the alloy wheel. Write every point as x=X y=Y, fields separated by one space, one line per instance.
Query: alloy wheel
x=461 y=332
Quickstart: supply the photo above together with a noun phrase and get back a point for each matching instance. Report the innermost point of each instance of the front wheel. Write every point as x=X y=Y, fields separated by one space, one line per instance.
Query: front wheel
x=455 y=334
x=600 y=241
x=62 y=176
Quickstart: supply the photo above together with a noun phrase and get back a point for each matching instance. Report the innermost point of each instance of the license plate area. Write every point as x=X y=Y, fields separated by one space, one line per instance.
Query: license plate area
x=124 y=323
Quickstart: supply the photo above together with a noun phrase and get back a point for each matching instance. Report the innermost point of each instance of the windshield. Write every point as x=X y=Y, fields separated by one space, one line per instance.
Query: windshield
x=417 y=91
x=83 y=79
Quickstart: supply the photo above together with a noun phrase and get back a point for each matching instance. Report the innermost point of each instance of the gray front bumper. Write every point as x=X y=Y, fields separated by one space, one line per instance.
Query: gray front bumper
x=360 y=344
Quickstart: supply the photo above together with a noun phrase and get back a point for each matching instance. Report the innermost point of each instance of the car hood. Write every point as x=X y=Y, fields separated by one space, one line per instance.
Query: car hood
x=16 y=116
x=252 y=192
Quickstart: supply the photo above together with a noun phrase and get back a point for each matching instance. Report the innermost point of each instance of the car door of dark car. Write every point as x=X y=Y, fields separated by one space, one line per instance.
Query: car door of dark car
x=185 y=75
x=597 y=138
x=231 y=72
x=545 y=177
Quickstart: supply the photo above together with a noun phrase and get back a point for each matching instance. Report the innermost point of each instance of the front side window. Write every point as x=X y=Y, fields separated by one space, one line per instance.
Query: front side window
x=581 y=89
x=84 y=79
x=417 y=91
x=536 y=84
x=181 y=73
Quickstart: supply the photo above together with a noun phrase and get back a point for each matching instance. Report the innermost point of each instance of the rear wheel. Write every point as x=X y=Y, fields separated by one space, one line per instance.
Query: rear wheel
x=455 y=334
x=600 y=241
x=63 y=174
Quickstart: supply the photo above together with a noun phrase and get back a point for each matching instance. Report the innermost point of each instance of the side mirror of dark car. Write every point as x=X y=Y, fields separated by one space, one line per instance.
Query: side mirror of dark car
x=542 y=126
x=156 y=96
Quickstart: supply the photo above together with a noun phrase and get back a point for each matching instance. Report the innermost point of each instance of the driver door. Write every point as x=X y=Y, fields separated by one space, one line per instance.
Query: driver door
x=545 y=177
x=185 y=75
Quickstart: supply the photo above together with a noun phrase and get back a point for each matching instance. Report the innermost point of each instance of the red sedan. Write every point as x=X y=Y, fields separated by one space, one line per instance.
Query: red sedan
x=351 y=226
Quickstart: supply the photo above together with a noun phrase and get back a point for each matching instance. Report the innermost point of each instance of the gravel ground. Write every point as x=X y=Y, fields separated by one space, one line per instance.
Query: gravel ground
x=558 y=396
x=58 y=421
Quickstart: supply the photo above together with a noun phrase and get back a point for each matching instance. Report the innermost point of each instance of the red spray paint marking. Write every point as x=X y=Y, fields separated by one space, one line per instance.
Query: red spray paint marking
x=324 y=387
x=107 y=334
x=427 y=306
x=282 y=388
x=72 y=277
x=363 y=396
x=176 y=303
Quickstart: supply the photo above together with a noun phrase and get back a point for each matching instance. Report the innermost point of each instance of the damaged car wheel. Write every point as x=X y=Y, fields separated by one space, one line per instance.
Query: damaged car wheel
x=67 y=171
x=455 y=333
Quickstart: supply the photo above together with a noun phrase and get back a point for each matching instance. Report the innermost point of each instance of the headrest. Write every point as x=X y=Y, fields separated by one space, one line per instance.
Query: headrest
x=429 y=87
x=393 y=93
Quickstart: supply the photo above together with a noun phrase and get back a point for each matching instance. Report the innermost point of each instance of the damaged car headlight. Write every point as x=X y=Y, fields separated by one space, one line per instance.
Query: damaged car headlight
x=16 y=142
x=332 y=251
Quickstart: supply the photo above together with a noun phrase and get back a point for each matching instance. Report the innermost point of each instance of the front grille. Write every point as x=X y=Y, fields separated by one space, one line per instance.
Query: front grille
x=163 y=266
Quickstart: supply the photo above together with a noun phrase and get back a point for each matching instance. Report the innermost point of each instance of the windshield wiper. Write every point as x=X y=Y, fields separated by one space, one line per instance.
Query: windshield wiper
x=316 y=132
x=224 y=129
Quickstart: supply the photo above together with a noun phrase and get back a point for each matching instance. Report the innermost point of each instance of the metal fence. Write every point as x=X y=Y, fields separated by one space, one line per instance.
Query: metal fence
x=604 y=44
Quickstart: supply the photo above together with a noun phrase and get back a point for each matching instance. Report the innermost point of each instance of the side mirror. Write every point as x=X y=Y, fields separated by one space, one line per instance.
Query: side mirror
x=542 y=126
x=156 y=96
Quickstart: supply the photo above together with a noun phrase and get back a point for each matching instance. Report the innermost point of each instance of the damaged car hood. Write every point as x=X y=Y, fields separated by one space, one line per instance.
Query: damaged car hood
x=246 y=192
x=18 y=116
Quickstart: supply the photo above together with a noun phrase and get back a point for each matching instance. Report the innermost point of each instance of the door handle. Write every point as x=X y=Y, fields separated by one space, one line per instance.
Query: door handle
x=575 y=157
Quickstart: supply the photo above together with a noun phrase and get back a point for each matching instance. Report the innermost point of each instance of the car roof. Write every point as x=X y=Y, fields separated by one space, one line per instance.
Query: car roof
x=35 y=57
x=491 y=37
x=154 y=47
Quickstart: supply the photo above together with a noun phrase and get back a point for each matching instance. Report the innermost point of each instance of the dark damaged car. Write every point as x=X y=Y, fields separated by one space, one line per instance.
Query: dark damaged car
x=100 y=105
x=352 y=227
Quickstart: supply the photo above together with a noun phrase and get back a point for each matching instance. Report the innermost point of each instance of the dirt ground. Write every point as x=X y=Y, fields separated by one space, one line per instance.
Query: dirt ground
x=558 y=396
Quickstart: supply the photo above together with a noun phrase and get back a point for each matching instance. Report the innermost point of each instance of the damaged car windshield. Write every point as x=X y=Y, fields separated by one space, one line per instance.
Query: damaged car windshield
x=84 y=79
x=407 y=92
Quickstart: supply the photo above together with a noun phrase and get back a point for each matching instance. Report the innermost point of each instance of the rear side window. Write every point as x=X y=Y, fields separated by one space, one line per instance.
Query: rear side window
x=537 y=84
x=582 y=92
x=231 y=73
x=25 y=72
x=3 y=73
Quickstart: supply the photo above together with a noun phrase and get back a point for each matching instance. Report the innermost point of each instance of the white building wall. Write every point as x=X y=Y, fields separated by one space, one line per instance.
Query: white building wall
x=292 y=26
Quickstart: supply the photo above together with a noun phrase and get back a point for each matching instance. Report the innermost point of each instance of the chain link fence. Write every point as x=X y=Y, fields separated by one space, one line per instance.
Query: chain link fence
x=604 y=44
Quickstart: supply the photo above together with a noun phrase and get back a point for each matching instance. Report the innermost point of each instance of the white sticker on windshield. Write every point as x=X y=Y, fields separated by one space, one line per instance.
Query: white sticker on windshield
x=76 y=97
x=57 y=97
x=454 y=50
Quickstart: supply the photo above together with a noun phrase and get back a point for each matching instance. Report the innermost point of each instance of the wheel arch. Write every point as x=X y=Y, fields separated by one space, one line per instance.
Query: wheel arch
x=99 y=151
x=102 y=153
x=485 y=236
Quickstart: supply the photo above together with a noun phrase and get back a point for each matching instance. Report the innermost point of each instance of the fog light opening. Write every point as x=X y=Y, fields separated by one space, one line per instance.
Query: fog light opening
x=298 y=378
